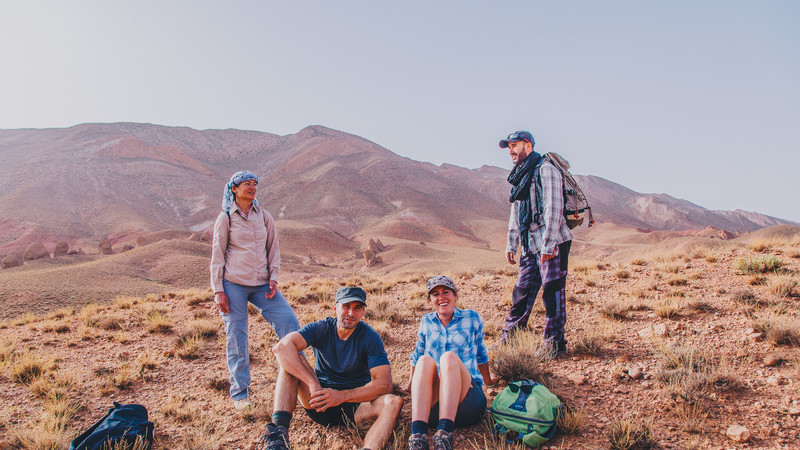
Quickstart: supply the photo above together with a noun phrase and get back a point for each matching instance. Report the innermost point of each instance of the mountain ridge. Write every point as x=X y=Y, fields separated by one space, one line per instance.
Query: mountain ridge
x=94 y=180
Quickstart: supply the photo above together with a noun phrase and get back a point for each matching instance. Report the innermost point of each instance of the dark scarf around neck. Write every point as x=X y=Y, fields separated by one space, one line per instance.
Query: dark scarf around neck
x=521 y=178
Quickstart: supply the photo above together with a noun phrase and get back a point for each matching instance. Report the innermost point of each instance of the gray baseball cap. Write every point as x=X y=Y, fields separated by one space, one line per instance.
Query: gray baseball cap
x=441 y=280
x=351 y=294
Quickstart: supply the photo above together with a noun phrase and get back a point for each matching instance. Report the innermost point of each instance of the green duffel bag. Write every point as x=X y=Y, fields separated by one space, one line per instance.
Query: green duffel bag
x=525 y=411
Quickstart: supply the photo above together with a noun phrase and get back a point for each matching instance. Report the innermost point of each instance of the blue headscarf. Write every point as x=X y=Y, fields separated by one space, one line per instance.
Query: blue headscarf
x=238 y=177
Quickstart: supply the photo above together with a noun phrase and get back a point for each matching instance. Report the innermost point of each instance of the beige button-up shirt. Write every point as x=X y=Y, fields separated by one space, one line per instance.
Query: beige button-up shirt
x=245 y=250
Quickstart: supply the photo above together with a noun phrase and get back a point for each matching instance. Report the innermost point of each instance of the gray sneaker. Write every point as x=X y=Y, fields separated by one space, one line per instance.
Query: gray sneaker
x=418 y=441
x=443 y=440
x=276 y=438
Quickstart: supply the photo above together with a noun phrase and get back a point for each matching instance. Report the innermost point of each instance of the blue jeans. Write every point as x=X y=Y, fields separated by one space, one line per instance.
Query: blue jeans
x=275 y=310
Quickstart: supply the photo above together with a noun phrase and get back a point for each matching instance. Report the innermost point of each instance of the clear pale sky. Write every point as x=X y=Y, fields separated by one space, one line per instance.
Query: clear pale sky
x=696 y=99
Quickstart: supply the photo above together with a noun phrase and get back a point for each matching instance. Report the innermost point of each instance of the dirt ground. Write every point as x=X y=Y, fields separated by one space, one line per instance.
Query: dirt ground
x=626 y=322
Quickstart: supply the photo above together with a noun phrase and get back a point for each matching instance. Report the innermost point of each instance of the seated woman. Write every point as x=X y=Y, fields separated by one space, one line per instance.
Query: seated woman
x=448 y=368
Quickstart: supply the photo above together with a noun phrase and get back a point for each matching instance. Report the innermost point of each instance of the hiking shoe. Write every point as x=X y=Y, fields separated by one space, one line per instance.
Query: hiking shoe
x=242 y=404
x=443 y=440
x=418 y=441
x=276 y=438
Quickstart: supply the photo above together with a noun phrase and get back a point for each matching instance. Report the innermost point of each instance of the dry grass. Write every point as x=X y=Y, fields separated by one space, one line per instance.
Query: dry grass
x=179 y=409
x=202 y=436
x=27 y=368
x=698 y=305
x=23 y=319
x=202 y=328
x=570 y=421
x=157 y=319
x=783 y=286
x=622 y=274
x=60 y=313
x=692 y=416
x=188 y=346
x=630 y=433
x=90 y=315
x=780 y=329
x=218 y=384
x=117 y=379
x=146 y=361
x=666 y=308
x=768 y=243
x=49 y=431
x=7 y=348
x=193 y=297
x=111 y=322
x=671 y=268
x=744 y=297
x=590 y=339
x=677 y=281
x=125 y=302
x=639 y=262
x=384 y=310
x=615 y=311
x=521 y=358
x=53 y=326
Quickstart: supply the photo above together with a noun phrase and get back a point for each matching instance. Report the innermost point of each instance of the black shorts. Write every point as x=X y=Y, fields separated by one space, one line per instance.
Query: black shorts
x=334 y=416
x=469 y=411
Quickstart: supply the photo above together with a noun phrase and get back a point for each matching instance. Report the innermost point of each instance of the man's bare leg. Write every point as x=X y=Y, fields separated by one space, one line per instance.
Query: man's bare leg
x=385 y=410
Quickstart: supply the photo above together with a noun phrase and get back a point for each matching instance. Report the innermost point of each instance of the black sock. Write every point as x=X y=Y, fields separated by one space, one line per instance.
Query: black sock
x=446 y=425
x=282 y=418
x=419 y=427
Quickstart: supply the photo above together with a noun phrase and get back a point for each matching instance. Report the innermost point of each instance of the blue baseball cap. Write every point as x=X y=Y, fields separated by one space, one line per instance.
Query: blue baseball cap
x=516 y=137
x=351 y=294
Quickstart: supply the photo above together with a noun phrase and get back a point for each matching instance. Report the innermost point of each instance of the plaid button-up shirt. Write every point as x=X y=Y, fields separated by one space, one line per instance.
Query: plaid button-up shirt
x=463 y=335
x=553 y=230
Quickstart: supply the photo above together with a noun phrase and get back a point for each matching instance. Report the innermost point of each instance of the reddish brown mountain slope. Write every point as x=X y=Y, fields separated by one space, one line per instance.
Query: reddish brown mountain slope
x=95 y=180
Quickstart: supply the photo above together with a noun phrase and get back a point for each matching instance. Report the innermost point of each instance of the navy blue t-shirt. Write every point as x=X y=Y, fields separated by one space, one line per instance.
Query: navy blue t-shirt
x=344 y=364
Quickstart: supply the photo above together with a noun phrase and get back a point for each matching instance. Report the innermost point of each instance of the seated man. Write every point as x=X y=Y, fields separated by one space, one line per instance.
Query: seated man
x=448 y=368
x=352 y=380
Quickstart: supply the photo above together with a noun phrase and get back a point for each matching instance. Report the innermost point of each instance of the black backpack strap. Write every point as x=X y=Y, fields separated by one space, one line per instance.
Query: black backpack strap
x=228 y=213
x=537 y=178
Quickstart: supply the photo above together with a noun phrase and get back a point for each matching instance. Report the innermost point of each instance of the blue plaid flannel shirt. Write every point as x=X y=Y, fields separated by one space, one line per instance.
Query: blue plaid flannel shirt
x=463 y=335
x=545 y=237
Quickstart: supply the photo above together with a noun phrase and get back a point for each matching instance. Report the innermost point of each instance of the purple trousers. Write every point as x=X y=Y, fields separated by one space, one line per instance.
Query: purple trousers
x=552 y=277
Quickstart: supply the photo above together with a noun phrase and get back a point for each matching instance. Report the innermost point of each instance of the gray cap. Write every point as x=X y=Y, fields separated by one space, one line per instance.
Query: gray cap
x=441 y=280
x=351 y=294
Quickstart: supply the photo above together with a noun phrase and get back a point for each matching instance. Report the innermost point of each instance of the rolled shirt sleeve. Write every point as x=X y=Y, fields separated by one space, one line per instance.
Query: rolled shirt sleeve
x=218 y=246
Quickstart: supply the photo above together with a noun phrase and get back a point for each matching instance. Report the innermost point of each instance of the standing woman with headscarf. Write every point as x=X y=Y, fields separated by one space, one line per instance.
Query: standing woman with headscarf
x=245 y=264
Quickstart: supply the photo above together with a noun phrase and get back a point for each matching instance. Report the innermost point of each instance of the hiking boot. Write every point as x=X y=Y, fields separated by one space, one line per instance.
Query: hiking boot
x=443 y=440
x=276 y=438
x=242 y=404
x=418 y=441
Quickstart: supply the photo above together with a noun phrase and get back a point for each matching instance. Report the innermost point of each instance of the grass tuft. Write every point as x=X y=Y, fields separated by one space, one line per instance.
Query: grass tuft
x=758 y=264
x=521 y=358
x=629 y=433
x=783 y=286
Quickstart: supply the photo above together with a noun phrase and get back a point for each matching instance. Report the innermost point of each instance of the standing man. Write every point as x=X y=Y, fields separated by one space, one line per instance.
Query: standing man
x=352 y=380
x=537 y=223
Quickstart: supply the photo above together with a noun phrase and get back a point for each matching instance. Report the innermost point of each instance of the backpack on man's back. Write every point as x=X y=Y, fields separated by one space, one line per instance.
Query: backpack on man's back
x=576 y=207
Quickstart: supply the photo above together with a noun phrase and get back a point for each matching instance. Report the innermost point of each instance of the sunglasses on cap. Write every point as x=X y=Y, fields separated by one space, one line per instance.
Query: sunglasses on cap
x=518 y=135
x=525 y=388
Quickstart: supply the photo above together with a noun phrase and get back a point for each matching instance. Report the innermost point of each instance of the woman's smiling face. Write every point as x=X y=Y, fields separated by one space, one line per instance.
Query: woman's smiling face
x=443 y=300
x=245 y=191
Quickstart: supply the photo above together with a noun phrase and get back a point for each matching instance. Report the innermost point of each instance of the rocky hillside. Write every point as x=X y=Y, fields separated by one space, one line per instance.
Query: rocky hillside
x=119 y=180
